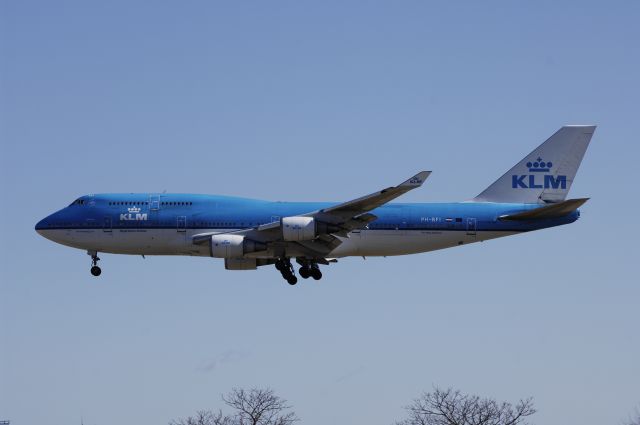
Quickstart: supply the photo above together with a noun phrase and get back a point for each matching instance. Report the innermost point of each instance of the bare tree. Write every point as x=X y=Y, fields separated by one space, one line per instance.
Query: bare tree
x=635 y=418
x=204 y=417
x=451 y=407
x=259 y=407
x=251 y=407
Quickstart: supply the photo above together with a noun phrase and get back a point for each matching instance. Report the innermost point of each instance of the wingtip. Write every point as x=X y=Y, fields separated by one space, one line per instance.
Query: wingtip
x=583 y=200
x=417 y=180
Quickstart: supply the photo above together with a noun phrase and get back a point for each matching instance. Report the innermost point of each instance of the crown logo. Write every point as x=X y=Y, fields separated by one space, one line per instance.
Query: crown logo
x=539 y=166
x=133 y=210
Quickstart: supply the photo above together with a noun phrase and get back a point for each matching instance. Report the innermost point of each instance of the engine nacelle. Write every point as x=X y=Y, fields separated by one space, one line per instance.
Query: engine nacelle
x=305 y=228
x=240 y=263
x=233 y=246
x=298 y=228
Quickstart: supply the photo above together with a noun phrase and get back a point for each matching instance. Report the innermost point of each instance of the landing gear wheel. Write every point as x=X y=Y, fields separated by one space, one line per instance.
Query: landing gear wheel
x=304 y=272
x=286 y=270
x=316 y=274
x=95 y=270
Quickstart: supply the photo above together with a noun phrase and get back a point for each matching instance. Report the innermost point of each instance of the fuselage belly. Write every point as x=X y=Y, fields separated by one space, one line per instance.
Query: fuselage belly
x=368 y=243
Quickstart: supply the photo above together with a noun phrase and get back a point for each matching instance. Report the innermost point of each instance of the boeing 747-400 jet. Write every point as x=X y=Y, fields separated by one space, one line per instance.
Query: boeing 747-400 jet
x=249 y=233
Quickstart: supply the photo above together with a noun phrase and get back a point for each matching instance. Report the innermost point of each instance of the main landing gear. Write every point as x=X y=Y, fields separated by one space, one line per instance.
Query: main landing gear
x=307 y=269
x=286 y=269
x=95 y=270
x=310 y=269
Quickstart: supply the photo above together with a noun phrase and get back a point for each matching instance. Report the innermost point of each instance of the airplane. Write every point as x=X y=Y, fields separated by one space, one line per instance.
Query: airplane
x=250 y=233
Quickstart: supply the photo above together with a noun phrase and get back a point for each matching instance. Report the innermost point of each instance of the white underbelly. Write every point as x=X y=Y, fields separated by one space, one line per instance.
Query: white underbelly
x=402 y=242
x=172 y=242
x=131 y=241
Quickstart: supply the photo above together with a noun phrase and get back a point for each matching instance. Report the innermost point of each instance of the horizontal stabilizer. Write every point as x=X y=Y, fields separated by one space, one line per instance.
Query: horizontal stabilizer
x=548 y=211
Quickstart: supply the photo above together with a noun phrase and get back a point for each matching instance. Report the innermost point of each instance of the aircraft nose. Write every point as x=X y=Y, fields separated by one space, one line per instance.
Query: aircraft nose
x=42 y=225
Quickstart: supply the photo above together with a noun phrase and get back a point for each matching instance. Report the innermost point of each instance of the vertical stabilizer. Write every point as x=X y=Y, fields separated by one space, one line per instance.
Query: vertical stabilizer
x=546 y=174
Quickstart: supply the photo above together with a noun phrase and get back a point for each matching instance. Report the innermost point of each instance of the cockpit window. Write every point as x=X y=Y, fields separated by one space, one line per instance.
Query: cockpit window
x=78 y=201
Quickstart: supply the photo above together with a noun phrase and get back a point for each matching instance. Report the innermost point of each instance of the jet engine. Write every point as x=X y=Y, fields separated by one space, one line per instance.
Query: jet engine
x=233 y=246
x=298 y=228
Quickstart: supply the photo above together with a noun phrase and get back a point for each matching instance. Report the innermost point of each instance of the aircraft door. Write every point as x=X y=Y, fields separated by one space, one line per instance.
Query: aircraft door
x=181 y=224
x=154 y=202
x=471 y=226
x=106 y=224
x=154 y=210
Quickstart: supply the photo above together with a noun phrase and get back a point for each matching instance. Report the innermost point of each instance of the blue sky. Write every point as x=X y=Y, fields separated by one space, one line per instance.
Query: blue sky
x=316 y=101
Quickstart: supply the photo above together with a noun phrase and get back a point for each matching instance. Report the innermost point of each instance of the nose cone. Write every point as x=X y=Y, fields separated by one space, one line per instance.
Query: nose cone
x=41 y=225
x=50 y=228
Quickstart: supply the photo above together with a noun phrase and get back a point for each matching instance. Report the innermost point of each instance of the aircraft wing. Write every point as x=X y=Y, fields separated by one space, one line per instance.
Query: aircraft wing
x=342 y=213
x=341 y=218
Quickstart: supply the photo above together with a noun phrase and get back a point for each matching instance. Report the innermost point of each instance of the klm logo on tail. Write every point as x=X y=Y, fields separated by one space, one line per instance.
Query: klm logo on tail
x=538 y=181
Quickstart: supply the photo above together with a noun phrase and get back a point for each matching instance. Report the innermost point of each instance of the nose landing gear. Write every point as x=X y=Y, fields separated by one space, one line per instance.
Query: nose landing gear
x=95 y=270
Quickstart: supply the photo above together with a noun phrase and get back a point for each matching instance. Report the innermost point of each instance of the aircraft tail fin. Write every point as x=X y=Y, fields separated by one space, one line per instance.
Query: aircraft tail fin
x=546 y=174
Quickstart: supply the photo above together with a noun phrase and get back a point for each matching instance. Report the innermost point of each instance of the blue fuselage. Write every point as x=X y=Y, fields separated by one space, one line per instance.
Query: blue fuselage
x=188 y=211
x=165 y=224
